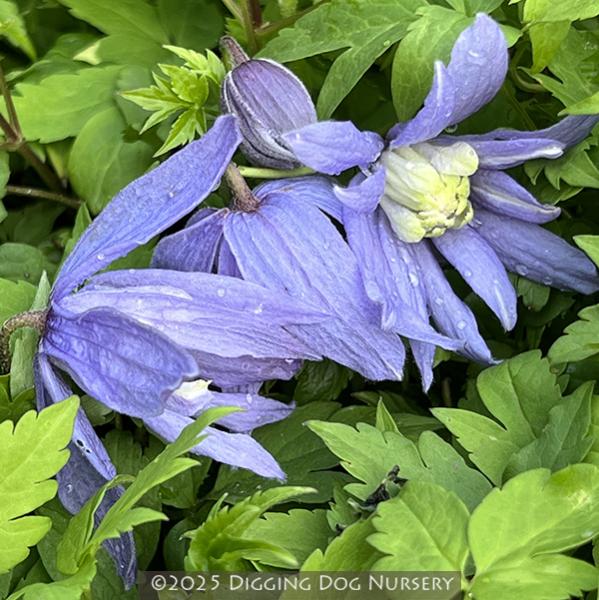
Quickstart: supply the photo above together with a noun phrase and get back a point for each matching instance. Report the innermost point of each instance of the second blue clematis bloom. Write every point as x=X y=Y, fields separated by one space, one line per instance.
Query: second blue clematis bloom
x=423 y=193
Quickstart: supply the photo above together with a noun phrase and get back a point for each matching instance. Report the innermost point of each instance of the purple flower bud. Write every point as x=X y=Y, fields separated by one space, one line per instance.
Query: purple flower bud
x=269 y=101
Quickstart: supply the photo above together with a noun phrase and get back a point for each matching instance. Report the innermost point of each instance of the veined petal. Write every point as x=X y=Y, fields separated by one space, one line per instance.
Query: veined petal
x=315 y=190
x=478 y=66
x=334 y=146
x=451 y=315
x=125 y=365
x=505 y=154
x=200 y=311
x=193 y=248
x=256 y=410
x=567 y=132
x=364 y=192
x=151 y=204
x=89 y=467
x=238 y=450
x=274 y=248
x=433 y=117
x=482 y=270
x=499 y=193
x=535 y=253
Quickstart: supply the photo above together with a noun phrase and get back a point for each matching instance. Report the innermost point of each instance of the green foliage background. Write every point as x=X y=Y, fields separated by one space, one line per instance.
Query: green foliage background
x=498 y=470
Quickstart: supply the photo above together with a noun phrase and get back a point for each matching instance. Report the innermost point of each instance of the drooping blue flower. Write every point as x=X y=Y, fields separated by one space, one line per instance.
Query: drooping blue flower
x=423 y=192
x=131 y=339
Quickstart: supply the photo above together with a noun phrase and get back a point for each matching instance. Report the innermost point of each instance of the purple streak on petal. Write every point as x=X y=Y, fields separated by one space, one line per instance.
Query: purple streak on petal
x=364 y=192
x=227 y=265
x=199 y=311
x=151 y=203
x=433 y=117
x=568 y=132
x=236 y=449
x=334 y=146
x=499 y=155
x=537 y=254
x=89 y=467
x=451 y=315
x=193 y=248
x=314 y=190
x=482 y=270
x=125 y=365
x=275 y=248
x=478 y=66
x=257 y=410
x=243 y=370
x=499 y=193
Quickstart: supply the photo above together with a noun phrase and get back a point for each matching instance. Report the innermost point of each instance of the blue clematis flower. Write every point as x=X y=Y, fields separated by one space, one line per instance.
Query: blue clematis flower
x=135 y=340
x=423 y=193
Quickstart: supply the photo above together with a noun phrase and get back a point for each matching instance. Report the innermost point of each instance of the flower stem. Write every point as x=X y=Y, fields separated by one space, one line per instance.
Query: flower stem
x=18 y=190
x=259 y=173
x=35 y=319
x=243 y=199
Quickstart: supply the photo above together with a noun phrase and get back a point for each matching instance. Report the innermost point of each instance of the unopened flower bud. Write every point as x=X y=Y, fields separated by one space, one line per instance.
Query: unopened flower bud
x=269 y=101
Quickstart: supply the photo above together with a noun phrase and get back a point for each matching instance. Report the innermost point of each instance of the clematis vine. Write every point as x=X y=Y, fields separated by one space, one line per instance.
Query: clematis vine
x=139 y=341
x=423 y=193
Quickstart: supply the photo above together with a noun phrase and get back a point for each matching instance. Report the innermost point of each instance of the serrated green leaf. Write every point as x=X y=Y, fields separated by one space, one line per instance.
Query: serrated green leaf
x=186 y=127
x=550 y=11
x=546 y=39
x=581 y=339
x=13 y=28
x=116 y=161
x=363 y=29
x=429 y=38
x=517 y=533
x=126 y=17
x=70 y=100
x=369 y=455
x=427 y=517
x=220 y=542
x=521 y=393
x=31 y=453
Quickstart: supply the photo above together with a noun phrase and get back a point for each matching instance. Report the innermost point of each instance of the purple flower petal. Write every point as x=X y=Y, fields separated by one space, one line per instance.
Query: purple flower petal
x=334 y=146
x=451 y=315
x=274 y=248
x=499 y=155
x=499 y=193
x=537 y=254
x=151 y=204
x=364 y=192
x=567 y=132
x=433 y=117
x=193 y=248
x=483 y=271
x=89 y=467
x=314 y=190
x=236 y=449
x=122 y=363
x=199 y=311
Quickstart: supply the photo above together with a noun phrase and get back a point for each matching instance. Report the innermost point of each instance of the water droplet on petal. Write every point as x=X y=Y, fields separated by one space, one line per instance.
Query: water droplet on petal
x=461 y=325
x=100 y=256
x=522 y=270
x=439 y=301
x=547 y=280
x=220 y=292
x=467 y=273
x=413 y=278
x=258 y=310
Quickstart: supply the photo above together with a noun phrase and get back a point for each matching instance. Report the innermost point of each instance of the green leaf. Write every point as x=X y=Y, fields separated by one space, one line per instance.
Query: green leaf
x=347 y=552
x=116 y=161
x=181 y=20
x=31 y=453
x=321 y=381
x=220 y=542
x=14 y=298
x=186 y=127
x=588 y=106
x=22 y=262
x=523 y=394
x=550 y=11
x=425 y=517
x=299 y=531
x=517 y=532
x=70 y=100
x=13 y=28
x=429 y=38
x=126 y=17
x=123 y=49
x=369 y=455
x=590 y=245
x=581 y=339
x=363 y=29
x=546 y=39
